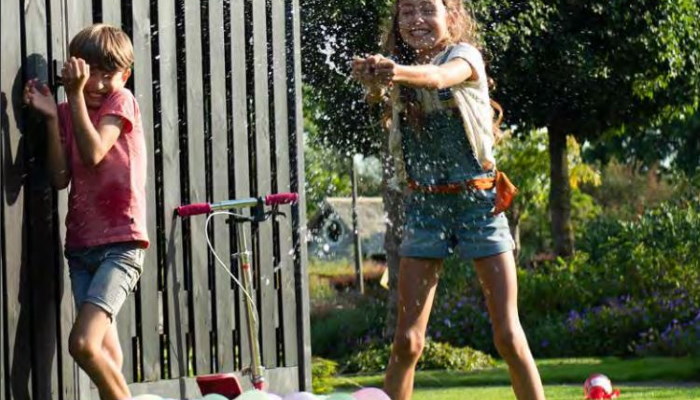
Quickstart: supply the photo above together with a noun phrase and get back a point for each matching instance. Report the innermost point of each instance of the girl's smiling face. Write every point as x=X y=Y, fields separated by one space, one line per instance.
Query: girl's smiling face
x=423 y=24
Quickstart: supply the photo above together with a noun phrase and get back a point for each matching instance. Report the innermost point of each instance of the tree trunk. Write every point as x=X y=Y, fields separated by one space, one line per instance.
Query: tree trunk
x=560 y=192
x=394 y=208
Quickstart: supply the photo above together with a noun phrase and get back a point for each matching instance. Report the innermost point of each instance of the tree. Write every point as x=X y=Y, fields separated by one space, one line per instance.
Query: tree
x=587 y=67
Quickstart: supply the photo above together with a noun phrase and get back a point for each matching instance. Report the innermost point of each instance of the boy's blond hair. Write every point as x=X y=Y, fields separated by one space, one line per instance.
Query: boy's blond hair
x=103 y=46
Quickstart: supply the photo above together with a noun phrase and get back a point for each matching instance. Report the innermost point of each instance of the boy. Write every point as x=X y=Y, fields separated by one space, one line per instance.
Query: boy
x=96 y=143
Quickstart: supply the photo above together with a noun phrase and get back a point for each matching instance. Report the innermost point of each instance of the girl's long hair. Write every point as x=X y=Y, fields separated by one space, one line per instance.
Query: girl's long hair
x=462 y=27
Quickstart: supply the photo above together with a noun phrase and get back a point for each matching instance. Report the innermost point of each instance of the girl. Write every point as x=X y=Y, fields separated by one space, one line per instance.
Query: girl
x=442 y=134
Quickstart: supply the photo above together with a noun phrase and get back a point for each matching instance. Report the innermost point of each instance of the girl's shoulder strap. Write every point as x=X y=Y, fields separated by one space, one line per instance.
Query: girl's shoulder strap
x=445 y=54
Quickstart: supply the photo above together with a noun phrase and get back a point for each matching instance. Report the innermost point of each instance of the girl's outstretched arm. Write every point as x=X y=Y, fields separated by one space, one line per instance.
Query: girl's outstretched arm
x=426 y=76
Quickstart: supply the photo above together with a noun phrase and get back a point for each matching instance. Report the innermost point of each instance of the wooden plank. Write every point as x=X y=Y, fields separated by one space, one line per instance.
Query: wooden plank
x=296 y=122
x=224 y=299
x=262 y=243
x=175 y=306
x=126 y=327
x=239 y=162
x=13 y=203
x=111 y=12
x=77 y=15
x=200 y=296
x=284 y=262
x=64 y=377
x=41 y=285
x=148 y=292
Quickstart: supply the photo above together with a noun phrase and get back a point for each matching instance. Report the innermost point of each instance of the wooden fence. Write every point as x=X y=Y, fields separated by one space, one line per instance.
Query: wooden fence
x=219 y=86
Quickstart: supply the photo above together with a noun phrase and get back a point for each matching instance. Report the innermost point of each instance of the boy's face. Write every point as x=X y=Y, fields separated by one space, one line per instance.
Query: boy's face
x=423 y=23
x=101 y=83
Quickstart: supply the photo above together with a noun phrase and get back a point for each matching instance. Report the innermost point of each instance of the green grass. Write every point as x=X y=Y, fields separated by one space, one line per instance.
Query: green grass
x=556 y=392
x=655 y=378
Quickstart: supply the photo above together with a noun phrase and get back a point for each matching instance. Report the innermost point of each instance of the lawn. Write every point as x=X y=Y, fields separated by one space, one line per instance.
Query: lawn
x=648 y=378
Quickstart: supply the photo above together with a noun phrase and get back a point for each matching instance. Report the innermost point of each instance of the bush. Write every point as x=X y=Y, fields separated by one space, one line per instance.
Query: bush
x=322 y=370
x=678 y=339
x=342 y=328
x=628 y=278
x=435 y=356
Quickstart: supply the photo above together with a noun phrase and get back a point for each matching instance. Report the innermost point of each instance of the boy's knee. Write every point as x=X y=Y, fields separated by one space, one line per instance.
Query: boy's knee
x=408 y=345
x=82 y=349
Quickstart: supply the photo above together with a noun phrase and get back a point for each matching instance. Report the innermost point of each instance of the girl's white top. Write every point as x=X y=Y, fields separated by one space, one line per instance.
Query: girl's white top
x=471 y=97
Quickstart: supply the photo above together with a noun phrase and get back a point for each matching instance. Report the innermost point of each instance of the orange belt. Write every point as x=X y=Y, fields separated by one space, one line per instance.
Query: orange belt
x=505 y=190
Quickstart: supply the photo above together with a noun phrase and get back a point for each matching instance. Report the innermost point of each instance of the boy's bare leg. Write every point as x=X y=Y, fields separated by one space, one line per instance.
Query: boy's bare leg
x=86 y=346
x=112 y=347
x=418 y=279
x=498 y=279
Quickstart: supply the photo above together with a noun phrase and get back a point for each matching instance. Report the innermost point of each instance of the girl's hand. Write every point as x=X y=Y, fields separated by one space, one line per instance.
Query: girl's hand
x=384 y=70
x=361 y=73
x=39 y=97
x=374 y=71
x=75 y=74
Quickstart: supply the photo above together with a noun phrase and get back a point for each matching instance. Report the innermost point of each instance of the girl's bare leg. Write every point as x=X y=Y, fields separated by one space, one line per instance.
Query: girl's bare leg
x=418 y=279
x=498 y=279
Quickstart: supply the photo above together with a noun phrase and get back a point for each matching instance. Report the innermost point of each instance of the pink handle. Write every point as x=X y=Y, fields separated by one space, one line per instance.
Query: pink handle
x=281 y=198
x=193 y=209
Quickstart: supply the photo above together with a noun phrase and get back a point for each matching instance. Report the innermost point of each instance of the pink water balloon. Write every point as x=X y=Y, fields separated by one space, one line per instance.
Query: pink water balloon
x=370 y=394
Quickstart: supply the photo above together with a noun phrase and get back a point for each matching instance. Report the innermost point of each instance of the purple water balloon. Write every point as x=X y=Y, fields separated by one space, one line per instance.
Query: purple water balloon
x=273 y=396
x=370 y=394
x=300 y=396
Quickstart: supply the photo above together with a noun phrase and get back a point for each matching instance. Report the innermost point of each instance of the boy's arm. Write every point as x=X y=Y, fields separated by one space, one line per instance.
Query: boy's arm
x=93 y=142
x=56 y=156
x=39 y=97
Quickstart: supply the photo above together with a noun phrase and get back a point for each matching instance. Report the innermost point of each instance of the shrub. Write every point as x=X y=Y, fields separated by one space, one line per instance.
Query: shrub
x=435 y=356
x=343 y=328
x=321 y=372
x=678 y=339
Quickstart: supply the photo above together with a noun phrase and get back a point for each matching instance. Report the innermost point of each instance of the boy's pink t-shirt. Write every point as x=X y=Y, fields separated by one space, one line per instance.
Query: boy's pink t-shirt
x=107 y=203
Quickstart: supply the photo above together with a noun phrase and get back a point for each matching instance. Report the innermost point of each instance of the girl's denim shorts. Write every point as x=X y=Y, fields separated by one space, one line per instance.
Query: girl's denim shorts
x=439 y=225
x=105 y=275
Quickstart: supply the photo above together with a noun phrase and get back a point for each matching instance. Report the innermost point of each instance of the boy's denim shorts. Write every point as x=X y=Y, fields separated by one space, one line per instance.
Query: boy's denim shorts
x=105 y=275
x=438 y=225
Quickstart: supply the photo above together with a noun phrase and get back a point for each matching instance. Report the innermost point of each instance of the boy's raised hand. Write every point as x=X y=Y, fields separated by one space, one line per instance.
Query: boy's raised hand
x=75 y=74
x=38 y=96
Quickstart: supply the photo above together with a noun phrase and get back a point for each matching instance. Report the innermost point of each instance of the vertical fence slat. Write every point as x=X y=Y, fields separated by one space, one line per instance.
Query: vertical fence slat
x=148 y=286
x=78 y=15
x=111 y=14
x=240 y=146
x=174 y=305
x=224 y=299
x=13 y=192
x=200 y=297
x=299 y=212
x=266 y=297
x=66 y=377
x=41 y=284
x=286 y=294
